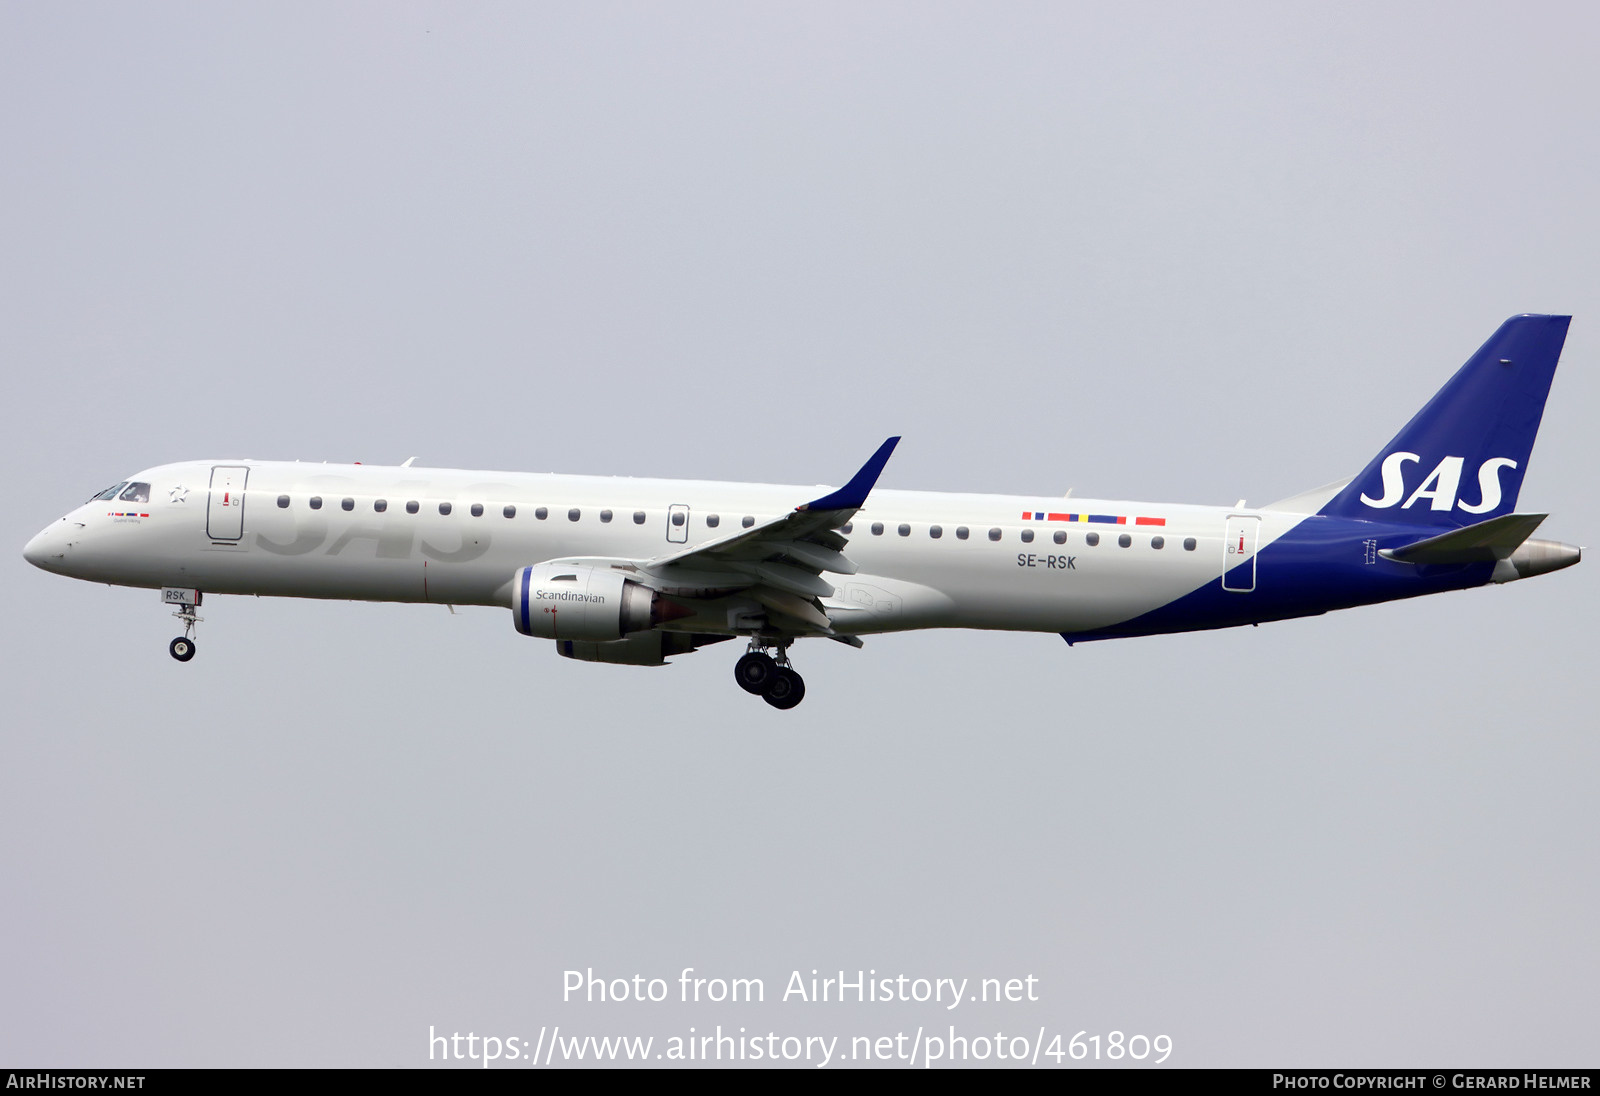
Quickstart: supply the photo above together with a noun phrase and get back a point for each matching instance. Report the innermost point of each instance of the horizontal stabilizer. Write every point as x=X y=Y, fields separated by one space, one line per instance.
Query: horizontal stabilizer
x=1484 y=542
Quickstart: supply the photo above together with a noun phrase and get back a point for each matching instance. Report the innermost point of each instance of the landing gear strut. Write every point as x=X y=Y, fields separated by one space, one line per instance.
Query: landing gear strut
x=770 y=677
x=182 y=648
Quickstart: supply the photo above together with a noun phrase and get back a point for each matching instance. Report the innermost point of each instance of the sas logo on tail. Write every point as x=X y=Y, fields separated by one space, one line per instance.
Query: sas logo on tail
x=1441 y=485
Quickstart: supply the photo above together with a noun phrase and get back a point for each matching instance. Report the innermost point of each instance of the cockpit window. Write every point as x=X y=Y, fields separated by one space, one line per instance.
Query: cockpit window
x=136 y=492
x=109 y=492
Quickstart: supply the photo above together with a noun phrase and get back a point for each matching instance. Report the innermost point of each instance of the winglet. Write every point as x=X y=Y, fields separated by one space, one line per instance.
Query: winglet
x=853 y=494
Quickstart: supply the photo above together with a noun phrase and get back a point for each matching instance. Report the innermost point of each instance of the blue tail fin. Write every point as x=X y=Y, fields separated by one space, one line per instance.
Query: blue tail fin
x=1462 y=458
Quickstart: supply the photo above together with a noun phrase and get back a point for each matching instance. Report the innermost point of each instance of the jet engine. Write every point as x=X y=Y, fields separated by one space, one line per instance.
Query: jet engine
x=639 y=649
x=578 y=602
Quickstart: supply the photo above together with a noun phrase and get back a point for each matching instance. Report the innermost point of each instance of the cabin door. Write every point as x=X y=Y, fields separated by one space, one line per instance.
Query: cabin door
x=1239 y=554
x=225 y=507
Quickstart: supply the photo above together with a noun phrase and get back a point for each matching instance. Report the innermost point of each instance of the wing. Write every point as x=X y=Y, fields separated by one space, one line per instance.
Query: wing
x=778 y=563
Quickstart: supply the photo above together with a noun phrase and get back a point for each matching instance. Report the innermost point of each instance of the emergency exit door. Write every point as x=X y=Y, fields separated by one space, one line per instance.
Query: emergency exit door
x=678 y=524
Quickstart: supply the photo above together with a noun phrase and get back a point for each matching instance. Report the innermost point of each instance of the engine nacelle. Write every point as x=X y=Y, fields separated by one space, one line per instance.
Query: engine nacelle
x=639 y=649
x=571 y=601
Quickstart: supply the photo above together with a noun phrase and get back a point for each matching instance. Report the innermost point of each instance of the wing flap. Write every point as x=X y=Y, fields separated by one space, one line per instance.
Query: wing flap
x=794 y=606
x=792 y=579
x=829 y=539
x=814 y=556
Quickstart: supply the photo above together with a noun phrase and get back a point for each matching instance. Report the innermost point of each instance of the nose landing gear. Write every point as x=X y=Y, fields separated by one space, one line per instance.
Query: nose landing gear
x=770 y=677
x=182 y=648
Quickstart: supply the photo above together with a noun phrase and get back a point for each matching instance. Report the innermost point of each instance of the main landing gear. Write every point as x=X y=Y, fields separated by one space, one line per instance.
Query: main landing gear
x=770 y=677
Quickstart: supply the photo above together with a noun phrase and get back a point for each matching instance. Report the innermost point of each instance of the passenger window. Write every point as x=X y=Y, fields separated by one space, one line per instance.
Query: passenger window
x=994 y=534
x=845 y=528
x=1158 y=542
x=1091 y=539
x=748 y=521
x=1125 y=540
x=961 y=532
x=542 y=512
x=638 y=517
x=904 y=530
x=1027 y=536
x=412 y=507
x=380 y=505
x=605 y=516
x=877 y=528
x=316 y=502
x=1188 y=544
x=347 y=504
x=510 y=511
x=1060 y=537
x=712 y=521
x=936 y=531
x=283 y=502
x=574 y=514
x=477 y=509
x=677 y=517
x=444 y=508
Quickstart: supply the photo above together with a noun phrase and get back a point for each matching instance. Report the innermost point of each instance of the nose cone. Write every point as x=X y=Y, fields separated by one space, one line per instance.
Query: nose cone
x=35 y=550
x=48 y=550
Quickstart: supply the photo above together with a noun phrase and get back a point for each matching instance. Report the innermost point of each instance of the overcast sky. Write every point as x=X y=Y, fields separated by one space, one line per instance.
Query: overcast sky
x=1147 y=251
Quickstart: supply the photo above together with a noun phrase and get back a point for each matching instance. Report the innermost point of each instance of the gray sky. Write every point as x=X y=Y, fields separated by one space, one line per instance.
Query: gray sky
x=1167 y=252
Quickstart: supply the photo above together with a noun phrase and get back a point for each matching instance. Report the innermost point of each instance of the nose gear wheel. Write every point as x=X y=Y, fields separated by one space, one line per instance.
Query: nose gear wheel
x=182 y=648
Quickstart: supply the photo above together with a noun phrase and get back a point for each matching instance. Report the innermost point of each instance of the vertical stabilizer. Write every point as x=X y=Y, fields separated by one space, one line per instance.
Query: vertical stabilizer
x=1461 y=460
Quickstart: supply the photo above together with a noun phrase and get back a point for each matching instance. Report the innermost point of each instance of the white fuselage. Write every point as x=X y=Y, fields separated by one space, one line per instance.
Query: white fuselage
x=379 y=533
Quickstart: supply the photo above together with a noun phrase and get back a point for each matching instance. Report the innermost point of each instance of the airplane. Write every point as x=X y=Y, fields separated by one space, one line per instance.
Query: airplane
x=636 y=571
